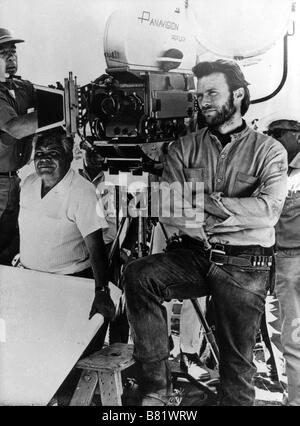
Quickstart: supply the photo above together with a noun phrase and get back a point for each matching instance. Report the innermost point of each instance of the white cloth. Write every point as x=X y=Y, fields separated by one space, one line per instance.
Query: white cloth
x=190 y=327
x=294 y=180
x=53 y=228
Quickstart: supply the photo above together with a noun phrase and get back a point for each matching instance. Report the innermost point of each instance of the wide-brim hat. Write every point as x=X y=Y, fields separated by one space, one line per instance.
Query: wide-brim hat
x=6 y=37
x=284 y=124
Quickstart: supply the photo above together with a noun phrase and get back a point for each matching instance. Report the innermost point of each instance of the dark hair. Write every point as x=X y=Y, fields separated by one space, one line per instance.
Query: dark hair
x=233 y=74
x=59 y=137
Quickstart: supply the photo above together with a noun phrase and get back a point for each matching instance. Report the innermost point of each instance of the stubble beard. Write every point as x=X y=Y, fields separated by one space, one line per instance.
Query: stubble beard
x=223 y=114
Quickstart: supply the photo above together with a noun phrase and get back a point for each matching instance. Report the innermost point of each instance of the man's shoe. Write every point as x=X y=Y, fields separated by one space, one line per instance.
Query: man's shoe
x=132 y=395
x=160 y=400
x=192 y=365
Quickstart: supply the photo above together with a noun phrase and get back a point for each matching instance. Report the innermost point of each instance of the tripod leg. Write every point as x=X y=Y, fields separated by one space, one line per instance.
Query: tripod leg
x=119 y=327
x=164 y=231
x=208 y=332
x=115 y=243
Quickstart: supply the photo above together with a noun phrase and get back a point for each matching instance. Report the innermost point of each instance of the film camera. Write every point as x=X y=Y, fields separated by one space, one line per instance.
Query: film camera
x=144 y=98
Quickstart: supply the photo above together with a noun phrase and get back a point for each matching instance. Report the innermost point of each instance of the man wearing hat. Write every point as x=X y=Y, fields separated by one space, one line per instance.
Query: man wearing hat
x=288 y=257
x=18 y=123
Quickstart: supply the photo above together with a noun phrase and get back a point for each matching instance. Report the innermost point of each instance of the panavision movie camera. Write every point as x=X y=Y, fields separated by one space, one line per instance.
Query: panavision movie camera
x=146 y=94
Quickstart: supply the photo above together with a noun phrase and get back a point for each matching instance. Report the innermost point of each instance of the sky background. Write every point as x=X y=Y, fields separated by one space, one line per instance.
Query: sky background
x=63 y=36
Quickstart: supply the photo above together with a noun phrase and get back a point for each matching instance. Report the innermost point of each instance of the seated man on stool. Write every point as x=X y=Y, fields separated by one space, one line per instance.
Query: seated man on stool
x=227 y=252
x=61 y=220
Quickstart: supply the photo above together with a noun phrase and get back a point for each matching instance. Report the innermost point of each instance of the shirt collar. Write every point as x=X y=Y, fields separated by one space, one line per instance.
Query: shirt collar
x=66 y=180
x=295 y=163
x=237 y=134
x=97 y=178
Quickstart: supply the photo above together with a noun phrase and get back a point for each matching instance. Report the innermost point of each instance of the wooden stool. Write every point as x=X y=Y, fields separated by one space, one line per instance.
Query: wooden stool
x=103 y=367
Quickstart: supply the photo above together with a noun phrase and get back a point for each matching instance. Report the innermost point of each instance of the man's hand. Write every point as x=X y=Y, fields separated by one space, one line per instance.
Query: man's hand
x=212 y=208
x=103 y=305
x=211 y=221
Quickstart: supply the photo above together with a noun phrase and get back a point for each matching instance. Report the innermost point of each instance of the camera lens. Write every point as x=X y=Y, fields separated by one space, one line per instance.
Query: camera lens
x=109 y=106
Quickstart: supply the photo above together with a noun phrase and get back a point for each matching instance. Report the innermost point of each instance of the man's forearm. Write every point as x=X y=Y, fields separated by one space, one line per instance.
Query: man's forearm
x=99 y=266
x=22 y=126
x=98 y=258
x=213 y=209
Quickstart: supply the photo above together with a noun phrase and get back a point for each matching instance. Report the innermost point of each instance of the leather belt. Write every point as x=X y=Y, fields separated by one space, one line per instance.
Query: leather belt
x=225 y=254
x=8 y=174
x=226 y=249
x=238 y=250
x=220 y=258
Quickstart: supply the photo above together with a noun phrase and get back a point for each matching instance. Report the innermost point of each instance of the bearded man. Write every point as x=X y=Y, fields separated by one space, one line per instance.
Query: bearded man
x=235 y=181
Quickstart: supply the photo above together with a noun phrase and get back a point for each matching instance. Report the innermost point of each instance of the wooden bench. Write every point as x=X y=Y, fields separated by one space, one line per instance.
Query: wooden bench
x=103 y=368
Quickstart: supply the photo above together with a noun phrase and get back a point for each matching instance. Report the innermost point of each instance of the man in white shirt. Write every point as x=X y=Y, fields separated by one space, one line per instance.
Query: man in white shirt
x=61 y=219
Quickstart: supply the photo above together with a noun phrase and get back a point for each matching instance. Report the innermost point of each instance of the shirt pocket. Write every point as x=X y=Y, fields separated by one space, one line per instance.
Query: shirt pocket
x=244 y=185
x=195 y=175
x=195 y=178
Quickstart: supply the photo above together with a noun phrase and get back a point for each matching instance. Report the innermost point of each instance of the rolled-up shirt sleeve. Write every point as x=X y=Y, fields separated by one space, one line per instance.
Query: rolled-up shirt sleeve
x=263 y=208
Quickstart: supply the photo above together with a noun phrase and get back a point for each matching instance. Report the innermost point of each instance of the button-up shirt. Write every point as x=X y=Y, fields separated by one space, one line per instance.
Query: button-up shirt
x=288 y=227
x=247 y=179
x=16 y=98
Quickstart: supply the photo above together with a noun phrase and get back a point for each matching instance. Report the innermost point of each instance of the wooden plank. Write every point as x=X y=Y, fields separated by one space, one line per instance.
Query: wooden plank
x=44 y=330
x=85 y=389
x=110 y=385
x=117 y=356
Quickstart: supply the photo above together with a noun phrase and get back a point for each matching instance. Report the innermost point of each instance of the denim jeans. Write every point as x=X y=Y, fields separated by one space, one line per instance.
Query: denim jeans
x=288 y=293
x=9 y=211
x=184 y=273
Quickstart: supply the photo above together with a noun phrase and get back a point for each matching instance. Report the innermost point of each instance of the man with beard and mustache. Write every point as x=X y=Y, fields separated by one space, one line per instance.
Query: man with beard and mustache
x=18 y=123
x=234 y=182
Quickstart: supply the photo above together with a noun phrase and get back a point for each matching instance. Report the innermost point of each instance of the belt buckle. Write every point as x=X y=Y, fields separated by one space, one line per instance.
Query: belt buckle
x=217 y=251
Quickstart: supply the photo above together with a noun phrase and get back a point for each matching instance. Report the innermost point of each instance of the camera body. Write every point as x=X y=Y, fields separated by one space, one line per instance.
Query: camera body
x=137 y=105
x=147 y=91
